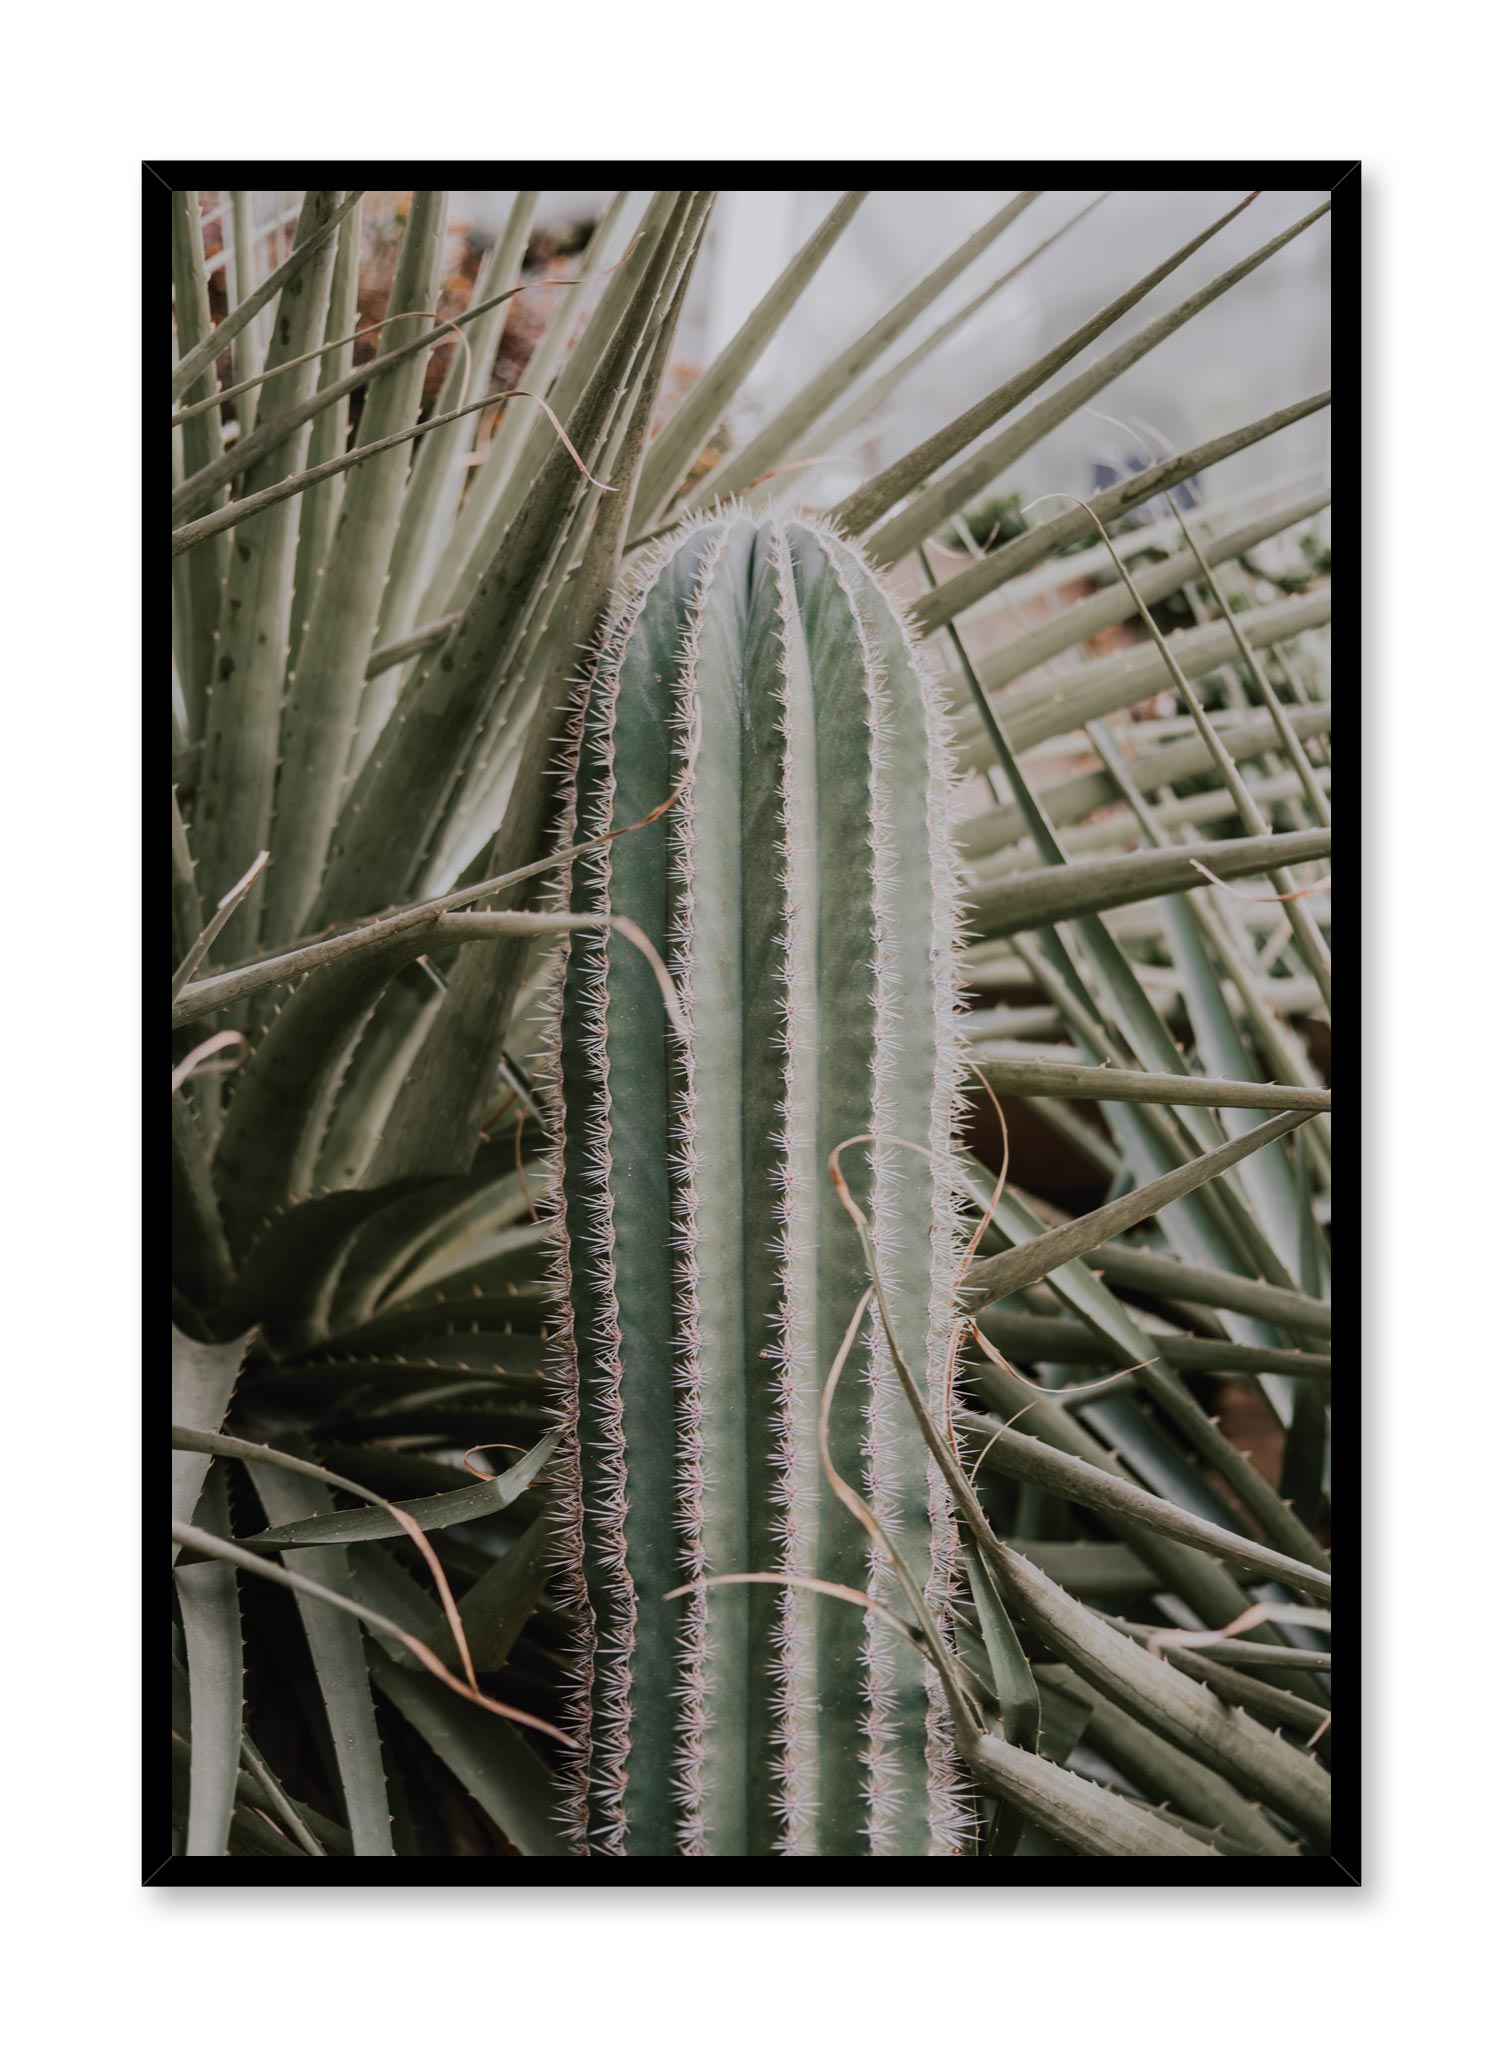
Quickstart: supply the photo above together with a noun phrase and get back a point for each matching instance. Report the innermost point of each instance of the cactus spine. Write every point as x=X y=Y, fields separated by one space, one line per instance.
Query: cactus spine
x=802 y=891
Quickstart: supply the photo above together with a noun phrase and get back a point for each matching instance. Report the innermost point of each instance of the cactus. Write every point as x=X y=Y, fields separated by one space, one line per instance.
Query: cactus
x=359 y=1163
x=801 y=886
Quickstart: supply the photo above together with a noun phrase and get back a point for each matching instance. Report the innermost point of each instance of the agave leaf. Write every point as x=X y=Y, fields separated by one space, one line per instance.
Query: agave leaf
x=268 y=1150
x=1272 y=1704
x=437 y=1511
x=1087 y=1817
x=243 y=275
x=771 y=445
x=1236 y=1651
x=203 y=1378
x=1048 y=538
x=1164 y=1772
x=1089 y=616
x=497 y=1766
x=1308 y=940
x=1270 y=1180
x=259 y=1785
x=215 y=1445
x=1095 y=1084
x=357 y=1390
x=1076 y=796
x=1130 y=1008
x=1091 y=1571
x=1040 y=1465
x=319 y=512
x=1199 y=808
x=1174 y=1279
x=561 y=625
x=275 y=1129
x=507 y=1776
x=1033 y=1339
x=472 y=543
x=194 y=492
x=692 y=423
x=210 y=1609
x=866 y=505
x=1011 y=1676
x=864 y=406
x=395 y=652
x=907 y=528
x=1142 y=1351
x=499 y=1321
x=201 y=356
x=187 y=913
x=1049 y=896
x=398 y=800
x=1017 y=1696
x=1267 y=1510
x=379 y=1064
x=1207 y=1587
x=250 y=1834
x=224 y=910
x=1213 y=1226
x=201 y=1265
x=318 y=722
x=232 y=818
x=1203 y=1582
x=392 y=941
x=1315 y=796
x=287 y=1257
x=438 y=1117
x=198 y=588
x=1151 y=1456
x=1302 y=1476
x=1156 y=1692
x=431 y=499
x=1195 y=930
x=1033 y=712
x=411 y=1244
x=658 y=243
x=1191 y=814
x=184 y=734
x=992 y=1279
x=338 y=1653
x=437 y=1254
x=496 y=1608
x=1090 y=1646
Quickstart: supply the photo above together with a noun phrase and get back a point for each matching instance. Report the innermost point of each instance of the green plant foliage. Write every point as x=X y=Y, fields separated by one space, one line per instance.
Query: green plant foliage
x=579 y=847
x=803 y=894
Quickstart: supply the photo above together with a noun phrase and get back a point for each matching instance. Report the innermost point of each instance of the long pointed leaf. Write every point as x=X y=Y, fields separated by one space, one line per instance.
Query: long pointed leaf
x=866 y=505
x=318 y=723
x=198 y=587
x=202 y=357
x=232 y=820
x=992 y=1279
x=905 y=529
x=693 y=422
x=773 y=442
x=1051 y=535
x=338 y=1652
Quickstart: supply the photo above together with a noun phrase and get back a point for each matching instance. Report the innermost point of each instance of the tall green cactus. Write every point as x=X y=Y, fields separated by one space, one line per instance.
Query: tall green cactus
x=802 y=888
